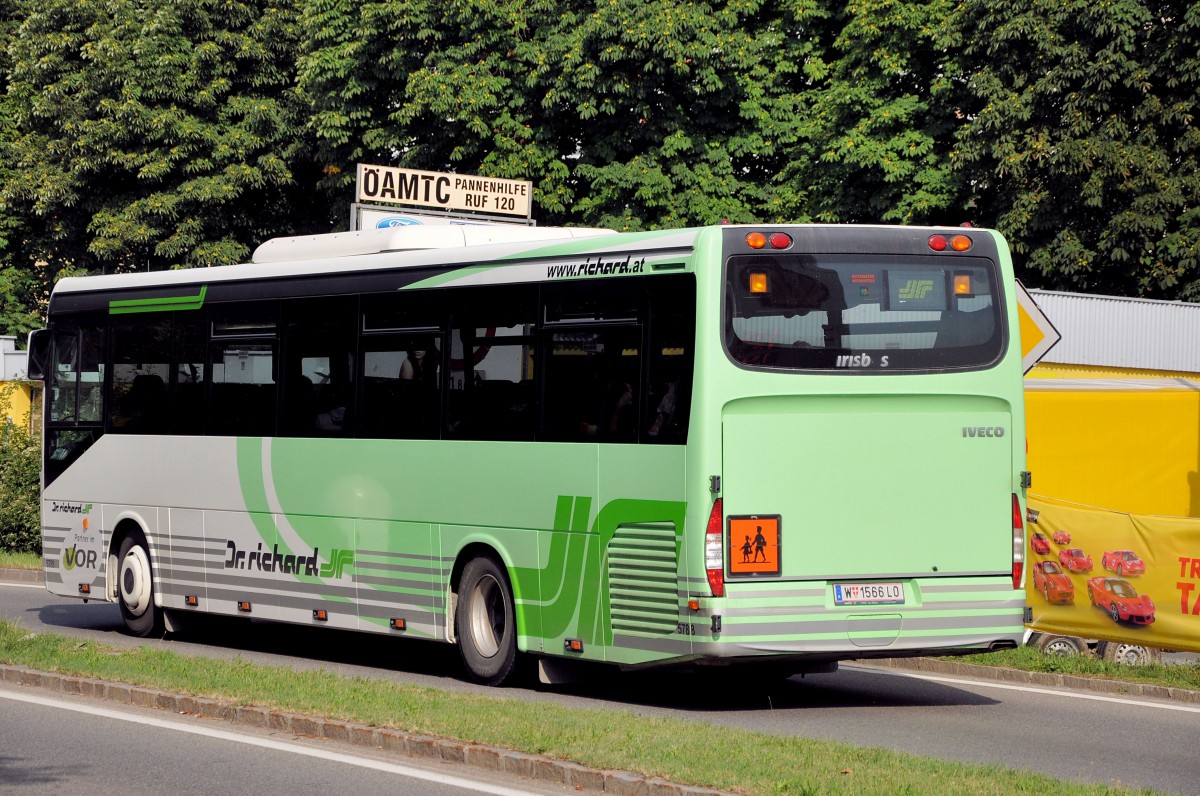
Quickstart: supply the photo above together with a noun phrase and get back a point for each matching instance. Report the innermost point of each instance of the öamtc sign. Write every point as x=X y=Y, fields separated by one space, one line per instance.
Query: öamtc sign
x=446 y=191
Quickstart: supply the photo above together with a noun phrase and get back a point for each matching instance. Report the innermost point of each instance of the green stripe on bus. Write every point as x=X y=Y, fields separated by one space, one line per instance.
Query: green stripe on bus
x=130 y=306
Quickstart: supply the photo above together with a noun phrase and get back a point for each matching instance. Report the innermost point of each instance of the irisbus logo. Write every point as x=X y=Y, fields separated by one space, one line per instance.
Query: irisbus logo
x=859 y=361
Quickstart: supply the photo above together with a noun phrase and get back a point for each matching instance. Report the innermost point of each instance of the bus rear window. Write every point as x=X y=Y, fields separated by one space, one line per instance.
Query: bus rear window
x=875 y=314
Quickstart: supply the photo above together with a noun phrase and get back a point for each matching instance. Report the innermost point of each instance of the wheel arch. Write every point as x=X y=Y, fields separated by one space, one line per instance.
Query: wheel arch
x=127 y=524
x=488 y=549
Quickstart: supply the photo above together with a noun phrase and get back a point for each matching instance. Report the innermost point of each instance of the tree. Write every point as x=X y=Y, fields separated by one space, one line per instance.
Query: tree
x=1080 y=141
x=881 y=116
x=150 y=135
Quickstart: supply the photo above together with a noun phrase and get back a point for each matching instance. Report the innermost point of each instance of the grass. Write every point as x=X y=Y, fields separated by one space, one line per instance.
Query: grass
x=10 y=560
x=1030 y=659
x=693 y=753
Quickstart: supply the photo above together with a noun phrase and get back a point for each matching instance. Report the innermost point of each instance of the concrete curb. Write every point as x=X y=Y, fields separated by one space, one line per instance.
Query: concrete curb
x=13 y=575
x=406 y=744
x=1018 y=677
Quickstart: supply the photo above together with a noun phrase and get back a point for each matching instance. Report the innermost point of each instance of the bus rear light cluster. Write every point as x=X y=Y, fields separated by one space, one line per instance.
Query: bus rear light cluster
x=714 y=558
x=958 y=243
x=1018 y=526
x=761 y=240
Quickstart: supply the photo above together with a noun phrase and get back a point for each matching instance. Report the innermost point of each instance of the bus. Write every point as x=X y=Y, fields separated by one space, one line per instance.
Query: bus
x=789 y=445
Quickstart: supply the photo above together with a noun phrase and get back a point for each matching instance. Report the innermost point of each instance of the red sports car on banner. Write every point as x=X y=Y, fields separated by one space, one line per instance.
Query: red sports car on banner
x=1121 y=600
x=1040 y=544
x=1075 y=560
x=1062 y=537
x=1054 y=584
x=1123 y=562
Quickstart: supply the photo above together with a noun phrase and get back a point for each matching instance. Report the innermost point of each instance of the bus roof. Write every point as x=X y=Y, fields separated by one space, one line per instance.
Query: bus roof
x=423 y=250
x=409 y=238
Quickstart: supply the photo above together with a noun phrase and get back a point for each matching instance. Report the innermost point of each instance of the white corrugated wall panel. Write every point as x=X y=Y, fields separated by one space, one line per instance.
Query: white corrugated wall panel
x=1122 y=332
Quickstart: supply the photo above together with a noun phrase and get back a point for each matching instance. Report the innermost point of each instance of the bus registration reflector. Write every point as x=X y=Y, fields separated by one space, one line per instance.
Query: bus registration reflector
x=868 y=593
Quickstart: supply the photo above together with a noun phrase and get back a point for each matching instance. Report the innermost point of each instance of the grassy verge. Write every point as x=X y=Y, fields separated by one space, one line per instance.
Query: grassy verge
x=693 y=753
x=1030 y=659
x=10 y=560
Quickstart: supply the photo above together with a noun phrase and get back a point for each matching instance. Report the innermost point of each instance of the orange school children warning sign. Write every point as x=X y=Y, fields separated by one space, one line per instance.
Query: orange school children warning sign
x=753 y=545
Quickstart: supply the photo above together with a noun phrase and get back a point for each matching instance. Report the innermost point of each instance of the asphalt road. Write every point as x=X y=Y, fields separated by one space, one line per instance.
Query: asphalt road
x=52 y=745
x=1082 y=737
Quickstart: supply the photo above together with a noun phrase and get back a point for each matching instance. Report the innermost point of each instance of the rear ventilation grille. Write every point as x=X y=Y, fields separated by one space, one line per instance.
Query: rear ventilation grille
x=643 y=580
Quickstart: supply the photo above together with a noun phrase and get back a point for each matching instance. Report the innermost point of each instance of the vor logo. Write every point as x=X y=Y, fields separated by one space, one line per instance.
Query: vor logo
x=73 y=557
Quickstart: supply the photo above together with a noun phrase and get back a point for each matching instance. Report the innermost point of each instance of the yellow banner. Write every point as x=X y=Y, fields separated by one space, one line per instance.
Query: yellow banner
x=1112 y=576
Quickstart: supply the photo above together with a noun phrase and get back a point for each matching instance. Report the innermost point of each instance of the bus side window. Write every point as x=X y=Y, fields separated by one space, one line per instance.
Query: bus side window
x=190 y=377
x=319 y=363
x=138 y=401
x=492 y=366
x=670 y=366
x=401 y=386
x=244 y=367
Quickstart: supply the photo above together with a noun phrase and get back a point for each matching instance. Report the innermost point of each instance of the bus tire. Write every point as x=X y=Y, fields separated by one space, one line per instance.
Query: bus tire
x=1128 y=654
x=485 y=622
x=135 y=587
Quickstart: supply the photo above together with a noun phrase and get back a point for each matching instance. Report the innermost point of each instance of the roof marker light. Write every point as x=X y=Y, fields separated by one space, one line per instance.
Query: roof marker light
x=960 y=243
x=937 y=243
x=780 y=240
x=756 y=240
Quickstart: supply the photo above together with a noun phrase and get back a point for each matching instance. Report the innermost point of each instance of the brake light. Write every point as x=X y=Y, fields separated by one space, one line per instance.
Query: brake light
x=1018 y=525
x=714 y=557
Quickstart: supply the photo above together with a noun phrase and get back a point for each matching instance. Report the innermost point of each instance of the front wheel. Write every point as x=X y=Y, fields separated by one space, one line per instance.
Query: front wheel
x=485 y=623
x=1114 y=613
x=135 y=587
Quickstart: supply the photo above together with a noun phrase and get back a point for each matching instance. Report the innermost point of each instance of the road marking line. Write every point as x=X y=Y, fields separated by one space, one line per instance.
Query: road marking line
x=282 y=746
x=1031 y=690
x=24 y=585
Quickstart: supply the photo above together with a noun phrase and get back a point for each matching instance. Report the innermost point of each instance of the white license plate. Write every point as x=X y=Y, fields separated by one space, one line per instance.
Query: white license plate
x=868 y=593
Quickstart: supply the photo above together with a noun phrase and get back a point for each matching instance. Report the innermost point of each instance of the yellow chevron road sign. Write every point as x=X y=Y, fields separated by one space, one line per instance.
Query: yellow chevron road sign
x=1038 y=335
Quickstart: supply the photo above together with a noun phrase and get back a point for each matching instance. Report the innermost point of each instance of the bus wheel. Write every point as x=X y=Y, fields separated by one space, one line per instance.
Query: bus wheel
x=485 y=623
x=1128 y=654
x=135 y=589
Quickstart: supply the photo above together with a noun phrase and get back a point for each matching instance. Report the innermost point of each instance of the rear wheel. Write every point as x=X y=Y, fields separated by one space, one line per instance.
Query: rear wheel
x=485 y=623
x=135 y=587
x=1128 y=654
x=1067 y=646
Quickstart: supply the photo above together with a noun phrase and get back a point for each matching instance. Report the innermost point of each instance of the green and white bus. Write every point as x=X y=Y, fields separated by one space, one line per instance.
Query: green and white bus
x=783 y=444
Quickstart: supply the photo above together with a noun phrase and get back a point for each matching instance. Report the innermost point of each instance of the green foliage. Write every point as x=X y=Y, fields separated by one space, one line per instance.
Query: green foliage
x=1081 y=140
x=20 y=484
x=151 y=135
x=138 y=135
x=882 y=116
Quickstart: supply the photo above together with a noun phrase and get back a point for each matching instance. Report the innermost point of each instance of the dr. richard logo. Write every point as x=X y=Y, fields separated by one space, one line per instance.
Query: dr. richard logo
x=274 y=561
x=70 y=508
